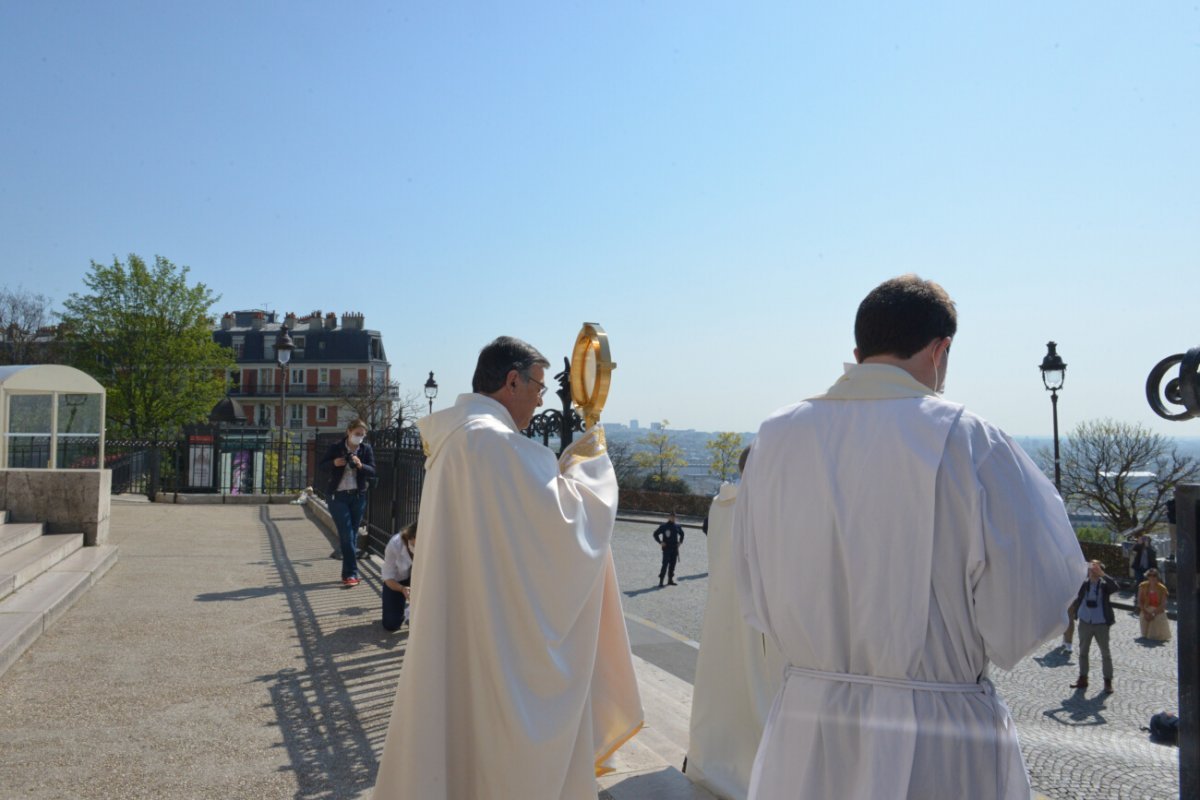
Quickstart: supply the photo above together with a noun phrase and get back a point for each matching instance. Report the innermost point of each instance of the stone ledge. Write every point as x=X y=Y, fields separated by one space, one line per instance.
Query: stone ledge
x=18 y=630
x=210 y=499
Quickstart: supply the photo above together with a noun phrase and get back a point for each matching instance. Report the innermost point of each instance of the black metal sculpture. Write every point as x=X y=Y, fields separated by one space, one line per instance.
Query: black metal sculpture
x=1184 y=390
x=552 y=422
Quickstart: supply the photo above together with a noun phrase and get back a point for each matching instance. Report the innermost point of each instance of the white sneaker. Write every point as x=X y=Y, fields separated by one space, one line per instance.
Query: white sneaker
x=1067 y=648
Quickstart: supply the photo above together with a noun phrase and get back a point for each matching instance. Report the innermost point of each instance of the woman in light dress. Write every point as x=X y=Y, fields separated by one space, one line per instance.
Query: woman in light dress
x=1152 y=600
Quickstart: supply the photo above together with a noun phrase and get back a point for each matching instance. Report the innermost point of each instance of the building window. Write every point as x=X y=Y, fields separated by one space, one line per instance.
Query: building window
x=239 y=347
x=266 y=378
x=297 y=413
x=235 y=381
x=298 y=341
x=323 y=377
x=264 y=415
x=322 y=413
x=297 y=377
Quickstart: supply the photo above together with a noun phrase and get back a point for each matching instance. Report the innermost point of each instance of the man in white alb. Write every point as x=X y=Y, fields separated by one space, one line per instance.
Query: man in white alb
x=892 y=544
x=738 y=670
x=518 y=680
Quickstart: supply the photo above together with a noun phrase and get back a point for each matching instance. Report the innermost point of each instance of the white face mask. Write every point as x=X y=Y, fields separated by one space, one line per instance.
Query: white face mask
x=939 y=381
x=356 y=440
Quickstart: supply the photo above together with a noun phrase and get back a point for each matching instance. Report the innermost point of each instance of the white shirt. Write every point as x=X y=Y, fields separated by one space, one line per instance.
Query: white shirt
x=1093 y=615
x=349 y=482
x=397 y=561
x=886 y=536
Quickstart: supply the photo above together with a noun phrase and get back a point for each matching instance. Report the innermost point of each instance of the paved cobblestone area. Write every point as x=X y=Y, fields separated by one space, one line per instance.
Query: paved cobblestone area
x=1087 y=745
x=1076 y=745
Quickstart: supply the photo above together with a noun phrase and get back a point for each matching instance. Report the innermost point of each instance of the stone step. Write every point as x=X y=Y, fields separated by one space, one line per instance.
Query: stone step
x=649 y=765
x=20 y=566
x=17 y=632
x=15 y=534
x=28 y=612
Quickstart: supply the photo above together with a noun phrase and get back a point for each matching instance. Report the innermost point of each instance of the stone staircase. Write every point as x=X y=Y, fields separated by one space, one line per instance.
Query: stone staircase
x=648 y=767
x=41 y=576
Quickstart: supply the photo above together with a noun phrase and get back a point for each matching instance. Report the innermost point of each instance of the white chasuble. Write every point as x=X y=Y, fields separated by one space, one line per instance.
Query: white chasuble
x=892 y=545
x=517 y=679
x=738 y=672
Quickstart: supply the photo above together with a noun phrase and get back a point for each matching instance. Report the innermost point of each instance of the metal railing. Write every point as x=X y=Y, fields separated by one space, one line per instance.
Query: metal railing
x=32 y=451
x=305 y=389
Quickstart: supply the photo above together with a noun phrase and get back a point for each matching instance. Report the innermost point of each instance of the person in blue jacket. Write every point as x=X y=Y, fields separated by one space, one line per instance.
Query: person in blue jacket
x=351 y=463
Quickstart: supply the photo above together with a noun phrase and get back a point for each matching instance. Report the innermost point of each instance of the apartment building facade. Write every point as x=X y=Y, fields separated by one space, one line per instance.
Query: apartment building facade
x=338 y=370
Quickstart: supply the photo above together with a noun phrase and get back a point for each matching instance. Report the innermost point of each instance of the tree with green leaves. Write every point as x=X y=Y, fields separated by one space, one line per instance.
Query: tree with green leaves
x=725 y=449
x=1121 y=471
x=661 y=459
x=146 y=335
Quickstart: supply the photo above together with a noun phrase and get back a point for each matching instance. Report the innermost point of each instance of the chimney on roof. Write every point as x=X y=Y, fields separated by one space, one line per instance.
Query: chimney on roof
x=330 y=321
x=256 y=322
x=352 y=321
x=227 y=321
x=314 y=321
x=290 y=321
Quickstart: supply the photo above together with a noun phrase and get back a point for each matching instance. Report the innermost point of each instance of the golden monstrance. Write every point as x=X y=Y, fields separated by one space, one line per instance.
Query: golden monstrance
x=591 y=372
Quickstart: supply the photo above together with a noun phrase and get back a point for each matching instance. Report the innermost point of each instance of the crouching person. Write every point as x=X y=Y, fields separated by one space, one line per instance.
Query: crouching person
x=397 y=576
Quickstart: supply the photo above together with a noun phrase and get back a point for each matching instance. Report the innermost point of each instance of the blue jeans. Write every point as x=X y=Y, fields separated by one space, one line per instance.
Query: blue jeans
x=347 y=509
x=393 y=608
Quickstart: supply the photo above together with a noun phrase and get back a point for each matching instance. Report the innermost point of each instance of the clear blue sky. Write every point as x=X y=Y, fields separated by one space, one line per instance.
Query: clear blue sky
x=716 y=184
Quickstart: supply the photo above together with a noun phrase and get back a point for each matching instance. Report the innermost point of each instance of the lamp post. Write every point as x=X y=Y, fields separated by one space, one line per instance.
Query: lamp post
x=283 y=355
x=1054 y=372
x=431 y=390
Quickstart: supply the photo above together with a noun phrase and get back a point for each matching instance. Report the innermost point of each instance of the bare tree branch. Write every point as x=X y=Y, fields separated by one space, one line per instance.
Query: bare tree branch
x=25 y=336
x=1122 y=472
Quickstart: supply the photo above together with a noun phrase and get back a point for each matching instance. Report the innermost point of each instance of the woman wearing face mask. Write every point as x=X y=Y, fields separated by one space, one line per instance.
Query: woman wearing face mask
x=352 y=464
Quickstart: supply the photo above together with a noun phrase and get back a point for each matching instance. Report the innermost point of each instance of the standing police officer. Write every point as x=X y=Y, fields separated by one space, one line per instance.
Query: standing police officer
x=670 y=538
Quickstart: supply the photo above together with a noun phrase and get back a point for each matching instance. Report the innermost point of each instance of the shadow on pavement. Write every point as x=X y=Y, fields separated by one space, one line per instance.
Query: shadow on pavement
x=349 y=676
x=656 y=588
x=1079 y=711
x=1055 y=658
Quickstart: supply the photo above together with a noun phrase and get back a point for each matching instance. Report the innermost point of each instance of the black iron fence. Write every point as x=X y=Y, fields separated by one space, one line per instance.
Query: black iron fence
x=32 y=451
x=242 y=461
x=395 y=500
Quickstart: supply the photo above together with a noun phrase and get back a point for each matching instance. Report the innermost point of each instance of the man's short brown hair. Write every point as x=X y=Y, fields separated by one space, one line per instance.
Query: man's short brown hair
x=901 y=316
x=501 y=356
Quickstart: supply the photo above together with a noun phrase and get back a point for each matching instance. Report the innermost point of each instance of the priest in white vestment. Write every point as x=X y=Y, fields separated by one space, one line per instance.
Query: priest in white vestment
x=892 y=545
x=738 y=672
x=518 y=680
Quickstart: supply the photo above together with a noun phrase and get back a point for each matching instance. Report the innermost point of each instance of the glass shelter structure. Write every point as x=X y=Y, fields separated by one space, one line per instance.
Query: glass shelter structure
x=51 y=417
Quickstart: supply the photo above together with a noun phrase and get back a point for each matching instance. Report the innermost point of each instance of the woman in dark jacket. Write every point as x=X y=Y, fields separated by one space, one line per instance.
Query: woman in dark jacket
x=352 y=465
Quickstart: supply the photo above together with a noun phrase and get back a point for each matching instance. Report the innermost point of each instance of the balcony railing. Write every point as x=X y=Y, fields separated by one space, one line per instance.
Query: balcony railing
x=318 y=390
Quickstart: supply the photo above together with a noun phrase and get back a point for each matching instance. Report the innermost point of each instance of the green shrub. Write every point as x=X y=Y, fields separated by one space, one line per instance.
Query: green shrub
x=1094 y=533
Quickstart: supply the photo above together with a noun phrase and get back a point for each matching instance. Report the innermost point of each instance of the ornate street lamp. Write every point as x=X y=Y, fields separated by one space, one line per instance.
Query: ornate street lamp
x=1054 y=372
x=431 y=390
x=283 y=355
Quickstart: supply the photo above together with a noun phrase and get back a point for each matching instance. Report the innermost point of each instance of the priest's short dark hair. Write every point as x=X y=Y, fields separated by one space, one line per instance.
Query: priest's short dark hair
x=501 y=356
x=901 y=316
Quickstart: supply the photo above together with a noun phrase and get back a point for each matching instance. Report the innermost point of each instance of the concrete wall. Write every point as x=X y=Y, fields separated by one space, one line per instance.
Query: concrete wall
x=65 y=500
